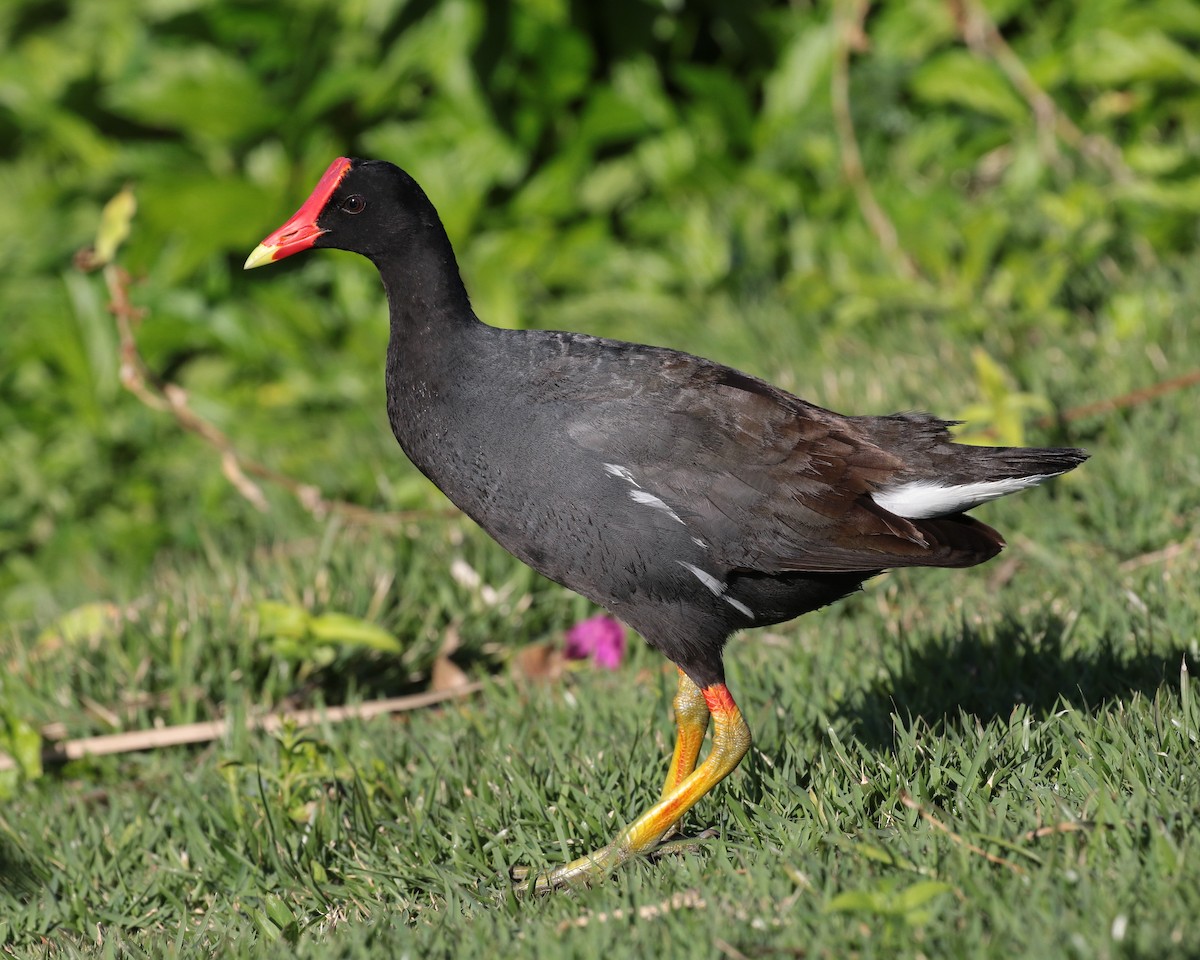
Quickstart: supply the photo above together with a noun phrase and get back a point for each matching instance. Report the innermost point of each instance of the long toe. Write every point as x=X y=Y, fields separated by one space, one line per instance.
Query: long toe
x=578 y=873
x=731 y=740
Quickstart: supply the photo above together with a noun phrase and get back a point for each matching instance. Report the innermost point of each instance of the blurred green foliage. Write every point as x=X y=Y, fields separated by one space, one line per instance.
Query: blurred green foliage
x=649 y=169
x=620 y=167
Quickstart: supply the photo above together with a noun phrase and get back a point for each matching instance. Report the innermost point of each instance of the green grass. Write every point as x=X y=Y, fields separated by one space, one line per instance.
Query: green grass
x=996 y=762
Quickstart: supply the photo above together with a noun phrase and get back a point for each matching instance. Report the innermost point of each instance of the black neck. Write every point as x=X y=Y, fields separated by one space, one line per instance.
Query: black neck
x=432 y=330
x=424 y=288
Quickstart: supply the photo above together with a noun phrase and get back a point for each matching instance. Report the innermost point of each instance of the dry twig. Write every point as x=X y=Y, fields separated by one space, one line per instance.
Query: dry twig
x=1134 y=398
x=980 y=33
x=1167 y=554
x=937 y=824
x=238 y=469
x=848 y=19
x=189 y=733
x=1069 y=826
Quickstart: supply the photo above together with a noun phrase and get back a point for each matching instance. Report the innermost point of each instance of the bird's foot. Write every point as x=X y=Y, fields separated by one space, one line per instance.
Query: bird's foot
x=600 y=863
x=678 y=845
x=731 y=740
x=578 y=873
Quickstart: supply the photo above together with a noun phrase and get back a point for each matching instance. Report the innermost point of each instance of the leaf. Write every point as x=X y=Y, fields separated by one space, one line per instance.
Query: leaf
x=882 y=855
x=610 y=118
x=960 y=78
x=703 y=247
x=199 y=90
x=85 y=625
x=562 y=65
x=1111 y=59
x=989 y=375
x=611 y=184
x=920 y=893
x=912 y=31
x=855 y=901
x=539 y=662
x=798 y=76
x=187 y=215
x=721 y=96
x=447 y=675
x=458 y=155
x=23 y=743
x=280 y=916
x=1002 y=408
x=341 y=628
x=1178 y=196
x=906 y=905
x=282 y=620
x=115 y=221
x=638 y=81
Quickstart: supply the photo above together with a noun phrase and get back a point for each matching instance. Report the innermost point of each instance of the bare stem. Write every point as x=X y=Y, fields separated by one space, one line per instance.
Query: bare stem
x=1135 y=398
x=189 y=733
x=980 y=33
x=848 y=19
x=238 y=469
x=937 y=824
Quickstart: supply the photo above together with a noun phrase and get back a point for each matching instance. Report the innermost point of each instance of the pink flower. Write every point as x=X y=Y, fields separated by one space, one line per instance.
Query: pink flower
x=600 y=637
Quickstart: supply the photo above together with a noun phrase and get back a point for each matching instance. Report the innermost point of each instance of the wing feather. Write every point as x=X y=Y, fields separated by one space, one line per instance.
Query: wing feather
x=773 y=483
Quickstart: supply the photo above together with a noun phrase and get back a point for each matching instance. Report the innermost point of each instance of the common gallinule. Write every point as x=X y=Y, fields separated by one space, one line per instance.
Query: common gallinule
x=689 y=499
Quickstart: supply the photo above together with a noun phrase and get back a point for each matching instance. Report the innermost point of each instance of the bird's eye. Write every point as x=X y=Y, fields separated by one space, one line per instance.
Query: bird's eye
x=354 y=204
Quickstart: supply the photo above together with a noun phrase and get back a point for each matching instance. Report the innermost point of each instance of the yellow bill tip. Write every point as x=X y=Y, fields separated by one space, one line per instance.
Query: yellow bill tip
x=260 y=255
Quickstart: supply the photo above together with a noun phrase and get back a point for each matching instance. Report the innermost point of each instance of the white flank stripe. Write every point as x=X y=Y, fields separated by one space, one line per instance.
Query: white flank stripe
x=739 y=606
x=716 y=587
x=922 y=499
x=650 y=500
x=706 y=578
x=624 y=473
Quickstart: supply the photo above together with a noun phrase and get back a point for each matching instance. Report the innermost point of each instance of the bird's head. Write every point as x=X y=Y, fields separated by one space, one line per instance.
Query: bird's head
x=369 y=207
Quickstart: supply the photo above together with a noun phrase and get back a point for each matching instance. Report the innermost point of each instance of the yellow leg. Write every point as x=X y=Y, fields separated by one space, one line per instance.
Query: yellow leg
x=691 y=723
x=731 y=740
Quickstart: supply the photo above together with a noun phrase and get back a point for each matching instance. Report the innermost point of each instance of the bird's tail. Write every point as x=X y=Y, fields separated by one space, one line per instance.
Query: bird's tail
x=942 y=478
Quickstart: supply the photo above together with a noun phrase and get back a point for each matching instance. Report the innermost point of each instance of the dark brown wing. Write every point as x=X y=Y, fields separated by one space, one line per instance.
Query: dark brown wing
x=769 y=482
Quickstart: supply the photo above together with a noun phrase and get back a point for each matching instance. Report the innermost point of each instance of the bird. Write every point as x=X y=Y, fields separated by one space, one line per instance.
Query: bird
x=689 y=499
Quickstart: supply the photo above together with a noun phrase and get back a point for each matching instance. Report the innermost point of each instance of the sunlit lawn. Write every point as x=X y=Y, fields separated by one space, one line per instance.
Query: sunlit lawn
x=995 y=762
